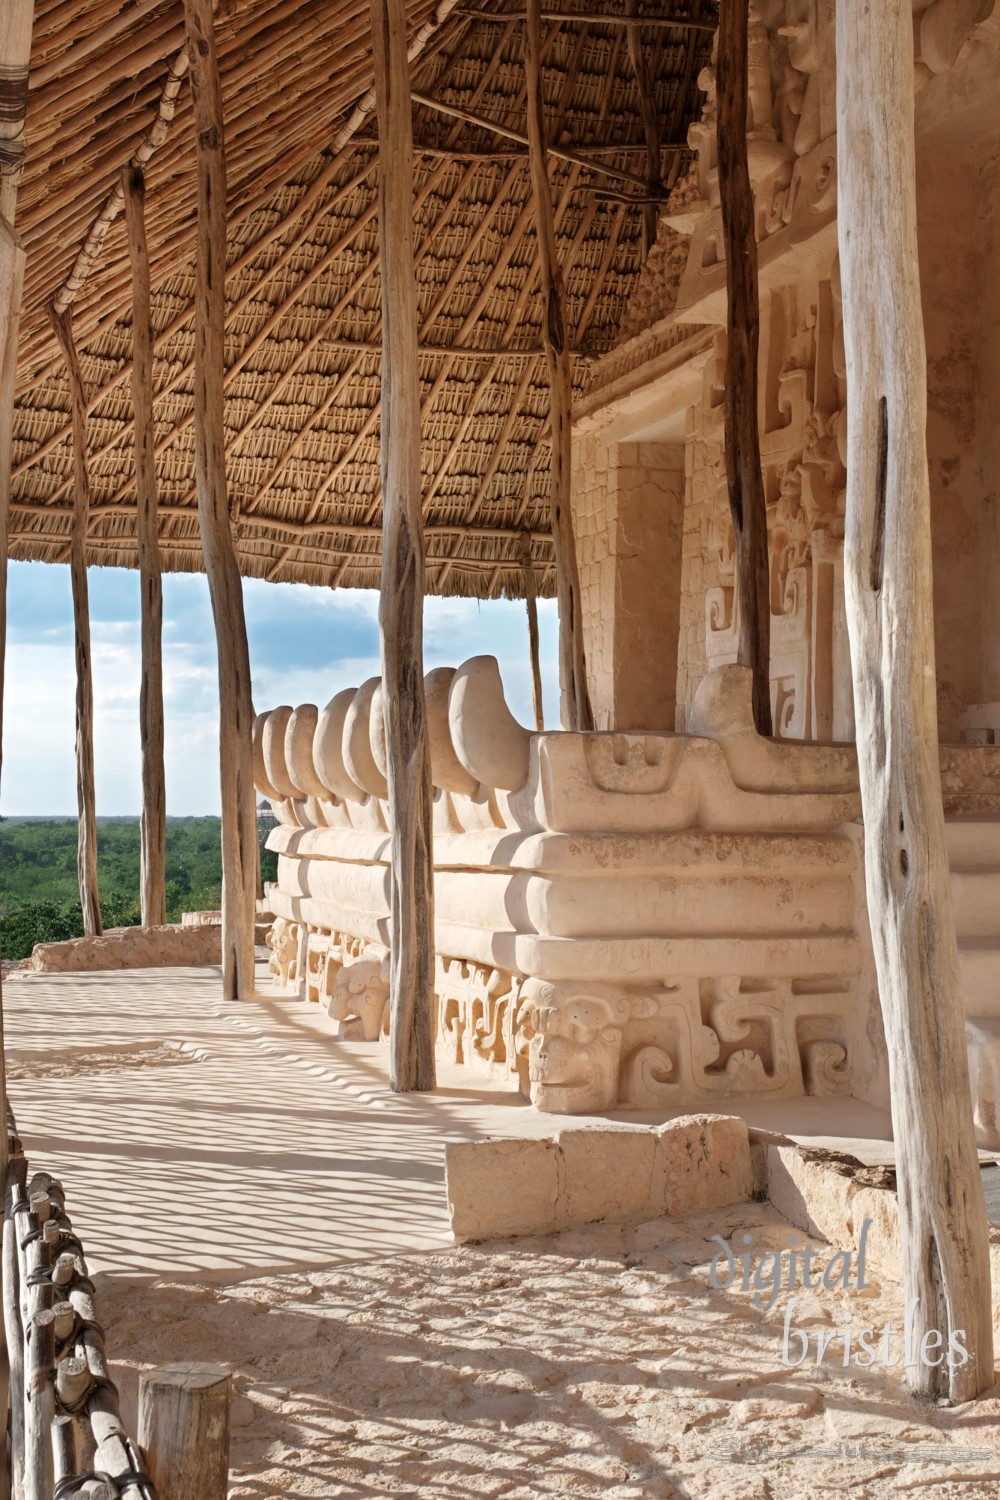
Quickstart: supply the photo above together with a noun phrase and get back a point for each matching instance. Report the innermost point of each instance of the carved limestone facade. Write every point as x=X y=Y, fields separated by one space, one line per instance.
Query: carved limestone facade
x=653 y=408
x=623 y=921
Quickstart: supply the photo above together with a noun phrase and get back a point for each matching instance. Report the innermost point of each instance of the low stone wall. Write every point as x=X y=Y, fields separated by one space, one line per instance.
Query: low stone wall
x=502 y=1188
x=834 y=1197
x=130 y=948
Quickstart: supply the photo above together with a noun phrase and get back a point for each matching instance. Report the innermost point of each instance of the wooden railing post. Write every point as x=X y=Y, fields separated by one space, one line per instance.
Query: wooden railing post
x=184 y=1430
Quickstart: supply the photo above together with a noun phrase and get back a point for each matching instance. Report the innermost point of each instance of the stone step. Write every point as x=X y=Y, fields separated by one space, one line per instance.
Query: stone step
x=973 y=842
x=976 y=894
x=980 y=967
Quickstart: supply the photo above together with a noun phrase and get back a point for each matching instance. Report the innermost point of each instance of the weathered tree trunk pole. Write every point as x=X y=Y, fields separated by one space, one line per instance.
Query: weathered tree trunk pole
x=239 y=826
x=86 y=843
x=577 y=712
x=16 y=19
x=11 y=285
x=891 y=626
x=746 y=484
x=650 y=128
x=411 y=995
x=153 y=820
x=531 y=602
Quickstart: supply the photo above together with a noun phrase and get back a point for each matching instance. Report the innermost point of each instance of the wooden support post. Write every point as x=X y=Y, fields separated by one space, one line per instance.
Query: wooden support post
x=86 y=846
x=411 y=993
x=11 y=283
x=239 y=827
x=531 y=601
x=577 y=713
x=153 y=821
x=11 y=286
x=16 y=20
x=887 y=557
x=184 y=1430
x=746 y=484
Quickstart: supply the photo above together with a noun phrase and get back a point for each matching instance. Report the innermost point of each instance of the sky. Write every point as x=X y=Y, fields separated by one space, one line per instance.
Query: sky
x=306 y=644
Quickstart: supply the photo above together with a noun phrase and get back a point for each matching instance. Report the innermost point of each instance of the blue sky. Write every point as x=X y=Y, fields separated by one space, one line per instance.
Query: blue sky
x=305 y=645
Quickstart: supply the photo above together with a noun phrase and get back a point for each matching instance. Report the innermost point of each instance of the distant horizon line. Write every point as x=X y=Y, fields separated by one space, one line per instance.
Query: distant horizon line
x=100 y=818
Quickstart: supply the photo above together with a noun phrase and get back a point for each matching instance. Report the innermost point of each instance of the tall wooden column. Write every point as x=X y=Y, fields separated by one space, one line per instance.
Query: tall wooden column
x=887 y=566
x=16 y=19
x=572 y=663
x=411 y=995
x=153 y=821
x=531 y=603
x=239 y=826
x=86 y=843
x=746 y=484
x=11 y=284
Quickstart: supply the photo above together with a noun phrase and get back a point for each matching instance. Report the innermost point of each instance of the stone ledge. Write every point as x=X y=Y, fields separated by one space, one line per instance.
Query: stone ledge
x=130 y=948
x=501 y=1188
x=830 y=1195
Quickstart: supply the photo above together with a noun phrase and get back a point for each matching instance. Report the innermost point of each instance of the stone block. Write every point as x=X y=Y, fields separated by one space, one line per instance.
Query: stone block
x=832 y=1197
x=607 y=1174
x=760 y=1140
x=702 y=1161
x=500 y=1188
x=809 y=1194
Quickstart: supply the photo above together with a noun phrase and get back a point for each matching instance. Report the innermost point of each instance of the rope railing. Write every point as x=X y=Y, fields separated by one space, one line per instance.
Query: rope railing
x=67 y=1440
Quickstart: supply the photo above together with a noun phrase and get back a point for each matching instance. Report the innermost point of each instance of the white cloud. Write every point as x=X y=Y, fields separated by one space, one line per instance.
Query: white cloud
x=306 y=644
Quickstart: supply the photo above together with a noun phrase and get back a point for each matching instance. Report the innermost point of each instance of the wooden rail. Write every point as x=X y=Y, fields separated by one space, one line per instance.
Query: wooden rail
x=67 y=1440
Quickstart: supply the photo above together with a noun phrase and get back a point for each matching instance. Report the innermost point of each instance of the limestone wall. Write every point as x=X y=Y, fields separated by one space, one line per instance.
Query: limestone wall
x=629 y=518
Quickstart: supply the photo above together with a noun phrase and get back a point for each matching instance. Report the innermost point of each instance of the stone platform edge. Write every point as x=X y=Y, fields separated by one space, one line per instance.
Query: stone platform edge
x=501 y=1188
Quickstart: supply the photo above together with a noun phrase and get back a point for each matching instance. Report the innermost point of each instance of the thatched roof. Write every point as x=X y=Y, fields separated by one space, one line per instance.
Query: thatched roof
x=303 y=285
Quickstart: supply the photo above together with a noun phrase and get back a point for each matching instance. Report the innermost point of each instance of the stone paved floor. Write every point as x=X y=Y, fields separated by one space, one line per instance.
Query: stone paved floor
x=250 y=1192
x=595 y=1363
x=240 y=1138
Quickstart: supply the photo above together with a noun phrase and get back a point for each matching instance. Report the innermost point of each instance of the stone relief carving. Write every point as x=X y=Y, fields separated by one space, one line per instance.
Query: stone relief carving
x=736 y=1036
x=573 y=1033
x=802 y=404
x=360 y=998
x=283 y=939
x=594 y=1047
x=475 y=1016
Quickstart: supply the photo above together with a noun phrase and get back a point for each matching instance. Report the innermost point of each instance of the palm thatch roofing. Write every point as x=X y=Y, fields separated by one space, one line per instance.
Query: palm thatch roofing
x=108 y=85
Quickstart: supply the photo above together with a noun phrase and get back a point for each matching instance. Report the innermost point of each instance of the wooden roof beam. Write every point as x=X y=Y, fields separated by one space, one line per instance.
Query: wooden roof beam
x=591 y=18
x=506 y=132
x=347 y=558
x=267 y=522
x=513 y=152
